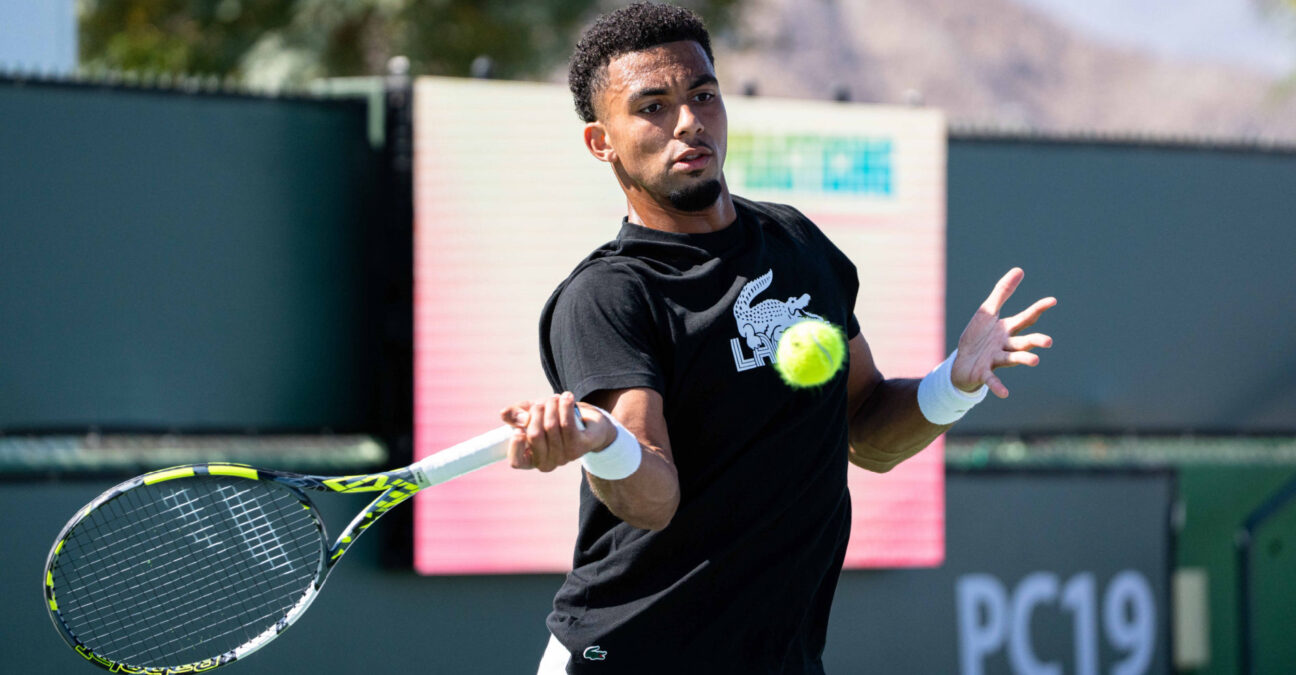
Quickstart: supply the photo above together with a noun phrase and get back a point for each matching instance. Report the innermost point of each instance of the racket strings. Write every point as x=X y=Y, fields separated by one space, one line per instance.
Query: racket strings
x=112 y=563
x=104 y=603
x=203 y=589
x=186 y=570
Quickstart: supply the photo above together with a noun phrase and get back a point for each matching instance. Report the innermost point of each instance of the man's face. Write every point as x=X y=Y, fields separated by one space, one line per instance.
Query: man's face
x=662 y=117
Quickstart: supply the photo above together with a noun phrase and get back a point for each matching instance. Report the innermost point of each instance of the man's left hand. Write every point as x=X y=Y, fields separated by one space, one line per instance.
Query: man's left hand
x=989 y=342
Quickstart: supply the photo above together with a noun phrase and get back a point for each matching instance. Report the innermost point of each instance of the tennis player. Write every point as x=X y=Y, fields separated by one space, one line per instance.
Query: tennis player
x=714 y=515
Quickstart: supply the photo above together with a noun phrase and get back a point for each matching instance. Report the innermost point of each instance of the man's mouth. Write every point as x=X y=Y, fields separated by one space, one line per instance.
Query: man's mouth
x=693 y=159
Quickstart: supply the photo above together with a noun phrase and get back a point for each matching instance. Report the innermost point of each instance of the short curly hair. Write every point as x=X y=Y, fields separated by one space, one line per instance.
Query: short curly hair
x=637 y=27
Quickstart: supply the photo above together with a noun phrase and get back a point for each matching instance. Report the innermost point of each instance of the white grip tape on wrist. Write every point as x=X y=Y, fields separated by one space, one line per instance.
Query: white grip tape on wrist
x=619 y=459
x=940 y=401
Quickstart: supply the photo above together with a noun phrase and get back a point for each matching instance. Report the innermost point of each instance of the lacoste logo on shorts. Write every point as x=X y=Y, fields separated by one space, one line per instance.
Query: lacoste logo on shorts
x=593 y=653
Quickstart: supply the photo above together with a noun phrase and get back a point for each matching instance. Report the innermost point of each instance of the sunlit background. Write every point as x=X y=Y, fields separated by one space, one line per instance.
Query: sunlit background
x=1219 y=67
x=287 y=232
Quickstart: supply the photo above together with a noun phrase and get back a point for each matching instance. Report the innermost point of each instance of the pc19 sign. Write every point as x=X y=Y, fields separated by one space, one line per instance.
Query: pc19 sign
x=995 y=618
x=1050 y=573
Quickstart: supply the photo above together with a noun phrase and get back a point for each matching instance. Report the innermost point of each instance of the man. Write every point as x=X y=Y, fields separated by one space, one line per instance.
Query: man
x=714 y=511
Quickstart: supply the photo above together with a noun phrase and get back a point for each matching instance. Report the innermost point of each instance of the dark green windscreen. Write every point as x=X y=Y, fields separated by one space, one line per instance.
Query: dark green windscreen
x=1175 y=270
x=183 y=262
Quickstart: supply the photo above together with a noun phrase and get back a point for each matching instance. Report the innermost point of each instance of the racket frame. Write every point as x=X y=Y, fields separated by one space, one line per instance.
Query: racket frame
x=395 y=486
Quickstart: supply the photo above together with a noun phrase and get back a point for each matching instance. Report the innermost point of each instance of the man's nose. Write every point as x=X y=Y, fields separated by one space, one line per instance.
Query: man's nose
x=688 y=124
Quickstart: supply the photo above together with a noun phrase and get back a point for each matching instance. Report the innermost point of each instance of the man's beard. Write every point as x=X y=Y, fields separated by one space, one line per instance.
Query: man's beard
x=695 y=197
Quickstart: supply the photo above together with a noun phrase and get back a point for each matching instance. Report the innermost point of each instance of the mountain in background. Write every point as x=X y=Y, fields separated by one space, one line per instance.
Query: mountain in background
x=993 y=63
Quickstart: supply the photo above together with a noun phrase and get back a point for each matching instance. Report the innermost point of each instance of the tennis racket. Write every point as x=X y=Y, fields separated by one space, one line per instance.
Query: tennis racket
x=193 y=567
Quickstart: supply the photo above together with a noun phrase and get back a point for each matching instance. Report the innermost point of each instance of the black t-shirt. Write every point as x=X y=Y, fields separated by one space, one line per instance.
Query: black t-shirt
x=743 y=577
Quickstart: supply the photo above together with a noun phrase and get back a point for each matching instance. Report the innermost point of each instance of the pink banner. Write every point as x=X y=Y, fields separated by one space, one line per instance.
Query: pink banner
x=507 y=201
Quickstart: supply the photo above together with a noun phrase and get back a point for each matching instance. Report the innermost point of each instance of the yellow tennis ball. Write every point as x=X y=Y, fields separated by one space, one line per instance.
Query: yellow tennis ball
x=810 y=353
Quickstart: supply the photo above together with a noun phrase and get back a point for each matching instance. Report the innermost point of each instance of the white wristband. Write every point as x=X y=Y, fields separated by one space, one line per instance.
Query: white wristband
x=619 y=459
x=940 y=401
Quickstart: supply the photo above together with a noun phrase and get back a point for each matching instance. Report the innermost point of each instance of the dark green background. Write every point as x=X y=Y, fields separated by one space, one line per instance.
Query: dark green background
x=1174 y=272
x=203 y=262
x=884 y=622
x=184 y=262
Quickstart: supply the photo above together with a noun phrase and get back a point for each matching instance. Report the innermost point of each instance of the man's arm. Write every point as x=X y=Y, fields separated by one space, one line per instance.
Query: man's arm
x=547 y=438
x=887 y=426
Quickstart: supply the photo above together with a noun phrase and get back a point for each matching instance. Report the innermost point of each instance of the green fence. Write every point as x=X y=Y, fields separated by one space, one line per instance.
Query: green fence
x=186 y=262
x=211 y=259
x=1173 y=269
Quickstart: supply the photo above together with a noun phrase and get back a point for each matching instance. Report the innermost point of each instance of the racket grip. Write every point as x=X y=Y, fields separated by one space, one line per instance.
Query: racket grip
x=473 y=454
x=457 y=460
x=580 y=421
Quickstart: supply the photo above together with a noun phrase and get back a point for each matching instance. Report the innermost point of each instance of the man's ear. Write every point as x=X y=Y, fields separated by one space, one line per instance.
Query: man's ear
x=596 y=141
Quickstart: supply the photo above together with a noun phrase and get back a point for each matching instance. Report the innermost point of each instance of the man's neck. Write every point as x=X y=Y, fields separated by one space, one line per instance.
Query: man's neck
x=645 y=211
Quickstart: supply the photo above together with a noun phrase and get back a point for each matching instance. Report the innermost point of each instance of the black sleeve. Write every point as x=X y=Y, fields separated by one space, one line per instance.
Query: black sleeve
x=598 y=332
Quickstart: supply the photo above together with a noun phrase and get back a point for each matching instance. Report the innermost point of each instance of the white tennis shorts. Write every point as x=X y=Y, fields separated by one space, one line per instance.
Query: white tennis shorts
x=554 y=661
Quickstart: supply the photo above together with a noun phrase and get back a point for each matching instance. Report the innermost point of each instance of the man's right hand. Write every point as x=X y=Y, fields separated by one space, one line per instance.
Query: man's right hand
x=547 y=435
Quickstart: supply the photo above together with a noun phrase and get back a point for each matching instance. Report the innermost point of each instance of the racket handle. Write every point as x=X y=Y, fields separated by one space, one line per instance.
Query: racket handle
x=457 y=460
x=473 y=454
x=580 y=421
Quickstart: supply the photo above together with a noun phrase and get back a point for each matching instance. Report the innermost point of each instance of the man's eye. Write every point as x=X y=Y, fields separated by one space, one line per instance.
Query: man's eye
x=705 y=96
x=651 y=108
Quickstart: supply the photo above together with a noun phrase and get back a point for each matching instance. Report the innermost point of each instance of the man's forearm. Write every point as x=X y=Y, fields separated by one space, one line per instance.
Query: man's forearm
x=645 y=499
x=888 y=427
x=648 y=497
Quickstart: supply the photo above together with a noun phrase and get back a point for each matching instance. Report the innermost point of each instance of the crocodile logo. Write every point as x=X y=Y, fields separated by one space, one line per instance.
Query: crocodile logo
x=593 y=653
x=761 y=325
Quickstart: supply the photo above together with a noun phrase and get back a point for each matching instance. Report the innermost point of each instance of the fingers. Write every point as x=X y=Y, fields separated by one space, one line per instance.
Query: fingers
x=1027 y=317
x=549 y=430
x=976 y=367
x=569 y=420
x=1025 y=343
x=1017 y=351
x=538 y=440
x=996 y=386
x=1003 y=290
x=519 y=453
x=1010 y=359
x=973 y=372
x=516 y=415
x=990 y=343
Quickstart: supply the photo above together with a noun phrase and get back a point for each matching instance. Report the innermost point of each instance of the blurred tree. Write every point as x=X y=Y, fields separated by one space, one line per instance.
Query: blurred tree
x=1282 y=12
x=197 y=36
x=280 y=41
